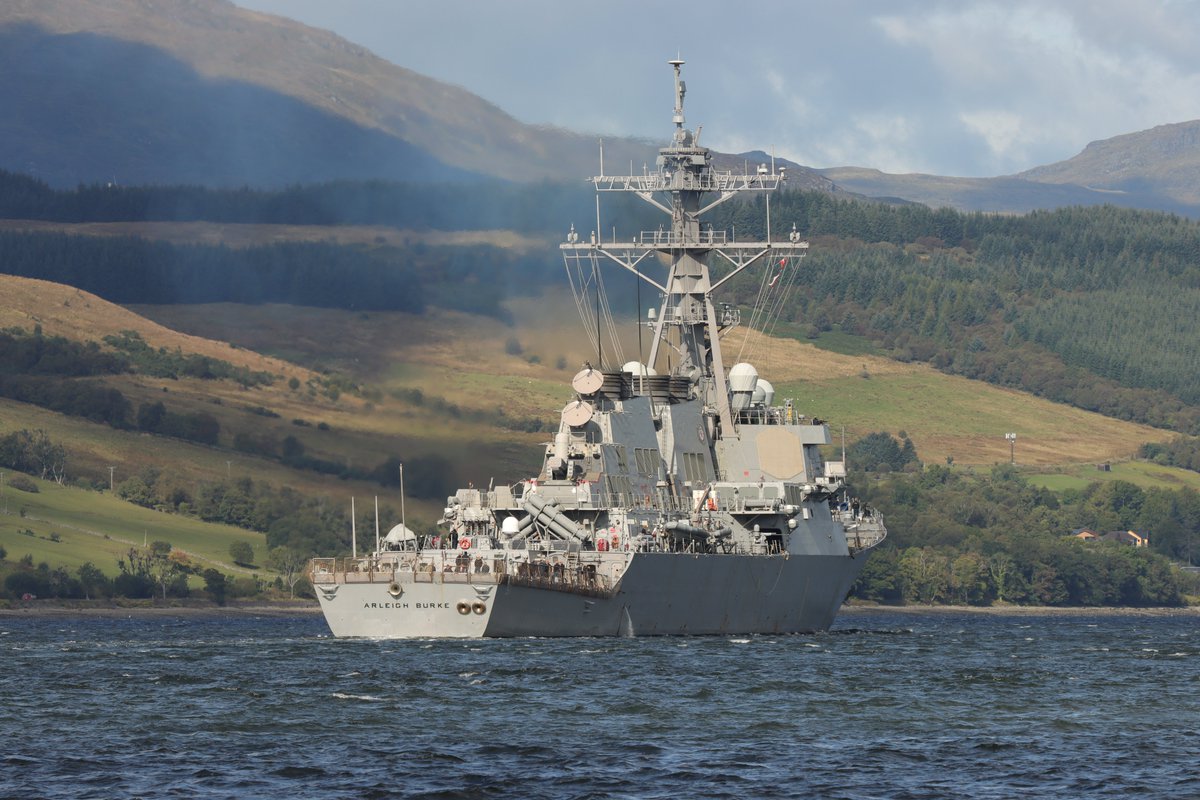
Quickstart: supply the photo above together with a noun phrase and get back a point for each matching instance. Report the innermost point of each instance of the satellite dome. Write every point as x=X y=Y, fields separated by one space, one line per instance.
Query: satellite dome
x=742 y=380
x=400 y=534
x=743 y=377
x=768 y=392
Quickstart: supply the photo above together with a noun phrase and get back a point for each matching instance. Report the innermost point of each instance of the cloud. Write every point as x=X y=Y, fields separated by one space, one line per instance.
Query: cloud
x=1036 y=82
x=1007 y=138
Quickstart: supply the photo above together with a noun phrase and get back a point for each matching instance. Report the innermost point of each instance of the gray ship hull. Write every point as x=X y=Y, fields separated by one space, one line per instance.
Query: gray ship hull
x=660 y=594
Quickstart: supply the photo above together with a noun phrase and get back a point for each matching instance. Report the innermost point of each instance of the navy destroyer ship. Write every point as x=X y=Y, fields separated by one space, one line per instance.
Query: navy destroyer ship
x=686 y=501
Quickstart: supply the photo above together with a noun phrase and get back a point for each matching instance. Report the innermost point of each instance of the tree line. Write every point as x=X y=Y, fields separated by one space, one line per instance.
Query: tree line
x=156 y=571
x=959 y=537
x=541 y=207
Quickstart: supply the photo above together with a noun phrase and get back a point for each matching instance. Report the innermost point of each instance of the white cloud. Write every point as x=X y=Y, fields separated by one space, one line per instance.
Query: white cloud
x=1006 y=134
x=1036 y=82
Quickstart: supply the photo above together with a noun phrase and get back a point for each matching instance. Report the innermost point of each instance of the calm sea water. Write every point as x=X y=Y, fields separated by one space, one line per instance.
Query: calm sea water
x=887 y=705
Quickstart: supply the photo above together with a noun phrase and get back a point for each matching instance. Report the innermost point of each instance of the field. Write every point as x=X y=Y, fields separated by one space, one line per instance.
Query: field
x=100 y=528
x=466 y=363
x=946 y=416
x=1143 y=473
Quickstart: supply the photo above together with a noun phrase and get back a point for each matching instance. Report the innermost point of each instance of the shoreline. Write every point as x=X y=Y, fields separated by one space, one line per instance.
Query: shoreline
x=1028 y=611
x=50 y=608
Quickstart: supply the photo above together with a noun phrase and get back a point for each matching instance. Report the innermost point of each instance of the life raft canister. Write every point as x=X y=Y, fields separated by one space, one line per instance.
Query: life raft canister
x=602 y=544
x=464 y=543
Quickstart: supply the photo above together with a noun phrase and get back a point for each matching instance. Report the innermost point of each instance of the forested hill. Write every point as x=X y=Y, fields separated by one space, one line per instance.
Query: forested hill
x=1098 y=307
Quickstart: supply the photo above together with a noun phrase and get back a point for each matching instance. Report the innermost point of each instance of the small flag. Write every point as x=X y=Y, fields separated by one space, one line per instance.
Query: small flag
x=778 y=275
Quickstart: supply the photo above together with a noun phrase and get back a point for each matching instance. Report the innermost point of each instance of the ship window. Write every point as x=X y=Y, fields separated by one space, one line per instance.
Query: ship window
x=694 y=469
x=620 y=490
x=647 y=460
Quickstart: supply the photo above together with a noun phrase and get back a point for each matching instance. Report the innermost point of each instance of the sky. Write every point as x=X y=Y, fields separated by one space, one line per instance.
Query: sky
x=961 y=87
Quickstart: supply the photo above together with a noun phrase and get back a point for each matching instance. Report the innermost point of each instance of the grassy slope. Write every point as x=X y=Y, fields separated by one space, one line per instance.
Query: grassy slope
x=1143 y=473
x=943 y=414
x=100 y=528
x=463 y=359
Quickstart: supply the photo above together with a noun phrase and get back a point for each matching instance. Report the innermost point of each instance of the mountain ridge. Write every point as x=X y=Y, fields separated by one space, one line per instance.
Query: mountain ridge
x=246 y=98
x=222 y=42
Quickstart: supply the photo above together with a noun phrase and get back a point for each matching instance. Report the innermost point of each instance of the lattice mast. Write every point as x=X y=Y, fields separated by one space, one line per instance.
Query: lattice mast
x=685 y=186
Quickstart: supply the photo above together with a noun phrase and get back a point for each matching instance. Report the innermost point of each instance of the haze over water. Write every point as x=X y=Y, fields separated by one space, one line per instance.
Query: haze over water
x=887 y=705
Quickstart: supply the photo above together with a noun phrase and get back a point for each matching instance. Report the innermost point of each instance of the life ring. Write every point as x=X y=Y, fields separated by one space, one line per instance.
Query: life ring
x=479 y=608
x=464 y=543
x=463 y=607
x=394 y=590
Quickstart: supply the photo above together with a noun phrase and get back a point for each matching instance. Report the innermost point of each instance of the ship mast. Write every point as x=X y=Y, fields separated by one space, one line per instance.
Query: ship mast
x=685 y=185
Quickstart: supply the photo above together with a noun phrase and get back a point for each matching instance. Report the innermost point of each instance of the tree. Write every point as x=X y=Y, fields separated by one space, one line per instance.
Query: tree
x=152 y=565
x=242 y=553
x=999 y=566
x=92 y=580
x=925 y=573
x=135 y=490
x=288 y=563
x=968 y=579
x=216 y=584
x=48 y=457
x=881 y=452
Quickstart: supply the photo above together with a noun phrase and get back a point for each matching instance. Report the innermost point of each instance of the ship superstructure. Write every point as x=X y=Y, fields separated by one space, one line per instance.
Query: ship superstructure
x=684 y=501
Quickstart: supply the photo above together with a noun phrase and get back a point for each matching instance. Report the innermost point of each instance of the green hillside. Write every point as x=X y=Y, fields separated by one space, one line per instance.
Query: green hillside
x=72 y=526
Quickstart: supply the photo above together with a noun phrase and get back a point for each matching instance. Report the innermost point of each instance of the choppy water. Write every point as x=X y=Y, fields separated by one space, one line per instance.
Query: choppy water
x=887 y=705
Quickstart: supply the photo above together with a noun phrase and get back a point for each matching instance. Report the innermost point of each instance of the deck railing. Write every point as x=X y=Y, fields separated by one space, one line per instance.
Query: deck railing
x=595 y=577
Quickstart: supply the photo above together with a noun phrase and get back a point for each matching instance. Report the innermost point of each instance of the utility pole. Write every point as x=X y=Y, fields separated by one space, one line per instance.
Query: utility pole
x=110 y=478
x=1012 y=447
x=2 y=494
x=227 y=465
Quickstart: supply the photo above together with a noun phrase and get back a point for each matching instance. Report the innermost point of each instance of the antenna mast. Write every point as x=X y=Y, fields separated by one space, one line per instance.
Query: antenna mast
x=685 y=186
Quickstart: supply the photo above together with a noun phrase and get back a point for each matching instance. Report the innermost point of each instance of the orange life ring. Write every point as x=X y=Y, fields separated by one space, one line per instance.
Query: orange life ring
x=464 y=543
